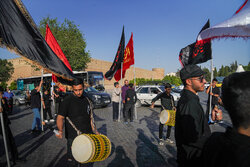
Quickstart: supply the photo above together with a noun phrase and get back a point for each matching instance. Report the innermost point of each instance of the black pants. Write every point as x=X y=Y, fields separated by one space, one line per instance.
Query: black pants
x=10 y=105
x=115 y=110
x=161 y=131
x=11 y=144
x=129 y=112
x=208 y=108
x=56 y=108
x=46 y=111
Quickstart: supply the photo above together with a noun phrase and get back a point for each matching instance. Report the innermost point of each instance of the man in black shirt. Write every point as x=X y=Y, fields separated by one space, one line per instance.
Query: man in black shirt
x=46 y=106
x=167 y=103
x=232 y=148
x=77 y=108
x=130 y=100
x=191 y=126
x=35 y=105
x=57 y=99
x=215 y=97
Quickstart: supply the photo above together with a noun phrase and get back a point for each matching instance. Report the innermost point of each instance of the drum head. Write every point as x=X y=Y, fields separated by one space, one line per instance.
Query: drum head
x=82 y=148
x=164 y=117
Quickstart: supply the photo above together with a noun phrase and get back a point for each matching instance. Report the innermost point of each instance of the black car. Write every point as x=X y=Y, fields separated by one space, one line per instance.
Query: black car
x=99 y=99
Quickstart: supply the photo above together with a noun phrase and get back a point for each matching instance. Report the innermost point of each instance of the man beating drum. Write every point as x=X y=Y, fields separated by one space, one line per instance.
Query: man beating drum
x=167 y=103
x=76 y=108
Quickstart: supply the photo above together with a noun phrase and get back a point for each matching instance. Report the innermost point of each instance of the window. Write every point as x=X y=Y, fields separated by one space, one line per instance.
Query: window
x=154 y=90
x=143 y=90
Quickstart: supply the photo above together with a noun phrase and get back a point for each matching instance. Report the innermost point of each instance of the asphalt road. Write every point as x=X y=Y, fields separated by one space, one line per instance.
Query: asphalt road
x=135 y=144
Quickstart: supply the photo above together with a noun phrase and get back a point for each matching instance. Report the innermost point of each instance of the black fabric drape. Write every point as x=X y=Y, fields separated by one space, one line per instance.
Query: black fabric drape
x=118 y=59
x=19 y=33
x=197 y=52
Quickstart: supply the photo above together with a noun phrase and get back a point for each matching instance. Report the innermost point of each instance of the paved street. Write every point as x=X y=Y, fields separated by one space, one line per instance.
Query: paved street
x=135 y=144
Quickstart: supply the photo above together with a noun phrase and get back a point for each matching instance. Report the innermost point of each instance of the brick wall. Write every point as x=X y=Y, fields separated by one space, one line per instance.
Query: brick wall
x=24 y=69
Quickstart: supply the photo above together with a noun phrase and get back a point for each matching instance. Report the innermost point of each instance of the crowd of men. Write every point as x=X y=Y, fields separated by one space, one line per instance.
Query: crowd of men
x=196 y=146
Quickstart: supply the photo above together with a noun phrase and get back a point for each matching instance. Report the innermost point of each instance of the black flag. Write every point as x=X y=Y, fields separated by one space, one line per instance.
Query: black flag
x=118 y=58
x=19 y=33
x=197 y=52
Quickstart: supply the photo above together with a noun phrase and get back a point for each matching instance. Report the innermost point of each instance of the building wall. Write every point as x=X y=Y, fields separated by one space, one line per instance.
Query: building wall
x=24 y=69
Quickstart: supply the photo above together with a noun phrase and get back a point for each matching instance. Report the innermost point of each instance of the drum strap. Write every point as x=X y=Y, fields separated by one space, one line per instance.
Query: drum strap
x=172 y=101
x=91 y=116
x=71 y=123
x=91 y=119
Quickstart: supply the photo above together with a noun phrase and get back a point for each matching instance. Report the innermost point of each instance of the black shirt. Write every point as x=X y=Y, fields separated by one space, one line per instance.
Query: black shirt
x=57 y=99
x=215 y=90
x=228 y=149
x=46 y=98
x=77 y=109
x=191 y=129
x=167 y=101
x=5 y=115
x=130 y=93
x=35 y=101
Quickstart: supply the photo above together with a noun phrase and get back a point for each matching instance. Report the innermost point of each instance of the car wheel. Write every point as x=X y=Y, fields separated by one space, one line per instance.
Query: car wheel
x=17 y=102
x=138 y=103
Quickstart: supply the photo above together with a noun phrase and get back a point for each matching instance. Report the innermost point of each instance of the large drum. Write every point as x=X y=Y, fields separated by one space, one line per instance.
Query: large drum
x=167 y=117
x=90 y=148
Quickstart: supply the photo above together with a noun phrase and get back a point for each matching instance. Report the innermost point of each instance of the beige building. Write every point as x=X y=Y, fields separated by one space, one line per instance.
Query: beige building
x=23 y=69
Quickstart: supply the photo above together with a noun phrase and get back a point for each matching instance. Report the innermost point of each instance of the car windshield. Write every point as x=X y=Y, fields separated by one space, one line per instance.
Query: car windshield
x=162 y=88
x=176 y=90
x=19 y=93
x=91 y=89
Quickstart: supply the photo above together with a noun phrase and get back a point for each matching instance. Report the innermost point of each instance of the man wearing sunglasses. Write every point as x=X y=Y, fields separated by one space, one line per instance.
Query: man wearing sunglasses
x=191 y=126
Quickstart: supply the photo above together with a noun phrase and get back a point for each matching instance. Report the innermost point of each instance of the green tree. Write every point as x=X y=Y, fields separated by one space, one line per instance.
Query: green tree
x=207 y=74
x=174 y=80
x=215 y=72
x=247 y=68
x=221 y=71
x=13 y=85
x=6 y=70
x=226 y=71
x=233 y=67
x=3 y=85
x=70 y=39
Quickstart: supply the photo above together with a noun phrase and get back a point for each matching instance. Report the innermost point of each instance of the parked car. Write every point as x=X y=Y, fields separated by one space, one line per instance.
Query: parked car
x=99 y=99
x=180 y=87
x=19 y=97
x=207 y=85
x=146 y=93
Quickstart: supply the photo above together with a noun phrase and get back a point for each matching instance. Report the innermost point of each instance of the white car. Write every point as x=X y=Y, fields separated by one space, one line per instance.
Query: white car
x=146 y=93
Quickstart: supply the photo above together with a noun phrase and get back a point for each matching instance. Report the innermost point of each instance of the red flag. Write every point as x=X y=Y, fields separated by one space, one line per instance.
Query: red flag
x=51 y=41
x=128 y=59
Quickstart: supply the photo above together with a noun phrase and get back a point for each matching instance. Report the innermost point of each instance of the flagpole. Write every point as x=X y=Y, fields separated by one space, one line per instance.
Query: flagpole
x=41 y=101
x=135 y=86
x=52 y=95
x=4 y=136
x=210 y=102
x=119 y=114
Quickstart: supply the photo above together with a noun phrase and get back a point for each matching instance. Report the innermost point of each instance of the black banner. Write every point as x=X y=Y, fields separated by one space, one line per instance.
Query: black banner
x=197 y=52
x=118 y=59
x=19 y=33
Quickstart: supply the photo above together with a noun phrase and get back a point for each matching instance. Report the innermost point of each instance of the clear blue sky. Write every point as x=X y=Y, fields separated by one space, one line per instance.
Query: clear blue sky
x=160 y=27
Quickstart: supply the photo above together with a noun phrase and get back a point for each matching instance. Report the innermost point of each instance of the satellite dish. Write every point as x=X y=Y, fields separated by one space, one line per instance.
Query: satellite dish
x=240 y=69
